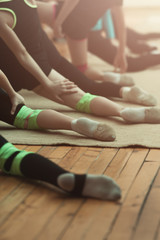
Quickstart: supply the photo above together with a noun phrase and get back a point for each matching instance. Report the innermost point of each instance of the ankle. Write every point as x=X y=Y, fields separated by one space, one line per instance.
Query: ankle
x=66 y=181
x=82 y=67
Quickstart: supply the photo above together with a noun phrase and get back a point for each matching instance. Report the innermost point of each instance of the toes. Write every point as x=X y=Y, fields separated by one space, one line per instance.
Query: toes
x=152 y=115
x=104 y=133
x=139 y=96
x=126 y=80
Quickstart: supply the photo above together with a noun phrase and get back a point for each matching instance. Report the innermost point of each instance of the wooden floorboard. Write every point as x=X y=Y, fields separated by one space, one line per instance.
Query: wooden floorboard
x=30 y=210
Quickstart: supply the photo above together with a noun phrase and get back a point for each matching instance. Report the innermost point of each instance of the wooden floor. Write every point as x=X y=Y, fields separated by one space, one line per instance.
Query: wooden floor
x=30 y=210
x=33 y=211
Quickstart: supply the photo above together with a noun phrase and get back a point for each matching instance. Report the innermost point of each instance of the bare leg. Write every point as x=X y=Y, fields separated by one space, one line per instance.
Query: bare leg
x=103 y=107
x=50 y=119
x=78 y=51
x=99 y=106
x=46 y=12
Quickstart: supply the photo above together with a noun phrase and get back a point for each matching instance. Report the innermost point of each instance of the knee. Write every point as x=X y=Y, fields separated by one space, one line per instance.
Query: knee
x=84 y=103
x=27 y=118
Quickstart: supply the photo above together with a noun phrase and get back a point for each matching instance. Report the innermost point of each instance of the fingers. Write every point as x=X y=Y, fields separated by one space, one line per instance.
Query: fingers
x=69 y=87
x=16 y=100
x=120 y=68
x=13 y=109
x=67 y=82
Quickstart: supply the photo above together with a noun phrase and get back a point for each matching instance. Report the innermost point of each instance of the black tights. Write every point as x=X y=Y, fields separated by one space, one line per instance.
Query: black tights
x=104 y=89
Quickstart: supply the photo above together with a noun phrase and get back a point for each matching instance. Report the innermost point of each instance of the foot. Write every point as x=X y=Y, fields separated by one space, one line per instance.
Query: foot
x=133 y=115
x=117 y=78
x=139 y=96
x=93 y=129
x=96 y=186
x=152 y=115
x=141 y=115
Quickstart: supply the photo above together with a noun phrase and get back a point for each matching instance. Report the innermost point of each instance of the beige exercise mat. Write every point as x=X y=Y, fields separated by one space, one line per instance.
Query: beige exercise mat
x=147 y=135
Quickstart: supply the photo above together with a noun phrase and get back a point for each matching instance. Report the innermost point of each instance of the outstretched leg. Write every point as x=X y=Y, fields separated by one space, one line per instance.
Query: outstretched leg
x=27 y=118
x=100 y=106
x=79 y=51
x=103 y=48
x=137 y=41
x=16 y=162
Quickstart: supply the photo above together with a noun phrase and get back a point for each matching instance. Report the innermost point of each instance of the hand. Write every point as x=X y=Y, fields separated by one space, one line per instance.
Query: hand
x=16 y=99
x=120 y=63
x=58 y=33
x=57 y=88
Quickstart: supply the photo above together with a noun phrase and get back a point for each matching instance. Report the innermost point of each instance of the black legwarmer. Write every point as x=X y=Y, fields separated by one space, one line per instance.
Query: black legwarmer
x=38 y=167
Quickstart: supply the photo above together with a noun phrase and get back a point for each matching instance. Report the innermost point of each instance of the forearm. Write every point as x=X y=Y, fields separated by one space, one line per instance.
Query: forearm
x=45 y=12
x=5 y=84
x=20 y=52
x=33 y=68
x=66 y=9
x=120 y=27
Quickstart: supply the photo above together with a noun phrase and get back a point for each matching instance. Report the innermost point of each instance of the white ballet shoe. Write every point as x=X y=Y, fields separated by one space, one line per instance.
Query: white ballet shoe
x=119 y=79
x=152 y=115
x=93 y=129
x=104 y=132
x=126 y=80
x=138 y=96
x=141 y=115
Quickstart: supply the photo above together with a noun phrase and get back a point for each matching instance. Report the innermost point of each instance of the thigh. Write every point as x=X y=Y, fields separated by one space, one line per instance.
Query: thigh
x=85 y=16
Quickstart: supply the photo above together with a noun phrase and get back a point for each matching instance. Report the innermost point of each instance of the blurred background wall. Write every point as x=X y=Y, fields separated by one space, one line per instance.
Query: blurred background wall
x=141 y=3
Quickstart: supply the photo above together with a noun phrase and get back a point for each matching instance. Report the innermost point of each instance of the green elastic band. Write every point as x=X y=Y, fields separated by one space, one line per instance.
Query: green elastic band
x=84 y=103
x=15 y=168
x=11 y=11
x=30 y=4
x=5 y=152
x=23 y=114
x=32 y=124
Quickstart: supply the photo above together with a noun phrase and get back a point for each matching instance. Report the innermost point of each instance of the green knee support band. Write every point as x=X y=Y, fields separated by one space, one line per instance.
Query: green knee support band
x=84 y=103
x=5 y=152
x=24 y=114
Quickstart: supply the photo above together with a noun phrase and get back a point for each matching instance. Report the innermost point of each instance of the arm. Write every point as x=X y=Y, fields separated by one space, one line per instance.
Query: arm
x=66 y=9
x=15 y=45
x=120 y=59
x=14 y=97
x=24 y=58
